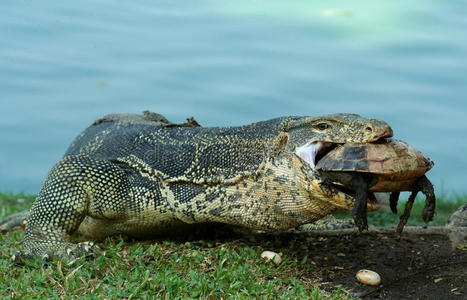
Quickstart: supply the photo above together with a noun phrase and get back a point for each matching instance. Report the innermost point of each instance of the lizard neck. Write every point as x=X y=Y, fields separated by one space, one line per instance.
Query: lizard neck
x=278 y=198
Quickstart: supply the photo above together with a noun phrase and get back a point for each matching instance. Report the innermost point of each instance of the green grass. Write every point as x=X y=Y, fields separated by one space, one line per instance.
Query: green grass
x=445 y=206
x=169 y=269
x=10 y=203
x=160 y=269
x=154 y=269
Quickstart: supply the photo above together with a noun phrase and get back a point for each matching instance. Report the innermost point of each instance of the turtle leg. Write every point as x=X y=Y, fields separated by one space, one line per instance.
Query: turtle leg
x=427 y=189
x=393 y=199
x=425 y=186
x=360 y=184
x=408 y=208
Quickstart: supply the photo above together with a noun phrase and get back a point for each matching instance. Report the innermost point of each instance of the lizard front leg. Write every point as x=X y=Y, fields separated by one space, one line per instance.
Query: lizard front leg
x=75 y=187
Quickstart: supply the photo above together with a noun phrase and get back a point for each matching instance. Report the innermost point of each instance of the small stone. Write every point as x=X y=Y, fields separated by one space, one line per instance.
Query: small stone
x=271 y=256
x=368 y=277
x=459 y=217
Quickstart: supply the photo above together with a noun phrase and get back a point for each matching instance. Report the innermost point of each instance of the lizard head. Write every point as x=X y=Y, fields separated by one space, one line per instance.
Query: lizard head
x=312 y=137
x=308 y=139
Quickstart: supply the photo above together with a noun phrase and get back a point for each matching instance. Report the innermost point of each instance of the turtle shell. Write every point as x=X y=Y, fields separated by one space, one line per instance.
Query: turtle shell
x=395 y=164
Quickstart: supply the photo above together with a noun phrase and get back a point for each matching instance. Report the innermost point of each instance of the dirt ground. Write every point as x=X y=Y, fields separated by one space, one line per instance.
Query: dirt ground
x=416 y=266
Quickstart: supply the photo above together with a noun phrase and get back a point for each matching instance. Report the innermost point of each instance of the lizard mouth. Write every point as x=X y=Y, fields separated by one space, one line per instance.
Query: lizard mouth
x=312 y=152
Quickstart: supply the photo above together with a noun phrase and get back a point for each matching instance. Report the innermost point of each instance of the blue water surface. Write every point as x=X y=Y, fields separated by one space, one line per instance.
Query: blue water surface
x=64 y=64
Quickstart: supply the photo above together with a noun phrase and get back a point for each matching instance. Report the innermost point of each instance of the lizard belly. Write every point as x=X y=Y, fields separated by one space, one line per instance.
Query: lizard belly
x=137 y=227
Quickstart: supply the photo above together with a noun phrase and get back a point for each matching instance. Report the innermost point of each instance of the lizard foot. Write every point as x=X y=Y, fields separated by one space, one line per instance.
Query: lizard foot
x=62 y=250
x=83 y=249
x=14 y=221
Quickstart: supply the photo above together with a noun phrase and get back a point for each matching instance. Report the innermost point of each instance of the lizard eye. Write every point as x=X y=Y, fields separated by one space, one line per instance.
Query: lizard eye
x=323 y=126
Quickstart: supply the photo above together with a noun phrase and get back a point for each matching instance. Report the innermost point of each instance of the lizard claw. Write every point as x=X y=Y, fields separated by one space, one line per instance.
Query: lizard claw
x=84 y=248
x=19 y=257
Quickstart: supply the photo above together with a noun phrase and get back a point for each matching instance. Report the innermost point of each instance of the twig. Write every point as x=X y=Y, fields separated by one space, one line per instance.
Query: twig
x=140 y=286
x=373 y=229
x=73 y=272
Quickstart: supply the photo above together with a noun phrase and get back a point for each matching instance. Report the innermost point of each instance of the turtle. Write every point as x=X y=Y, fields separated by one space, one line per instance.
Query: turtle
x=387 y=165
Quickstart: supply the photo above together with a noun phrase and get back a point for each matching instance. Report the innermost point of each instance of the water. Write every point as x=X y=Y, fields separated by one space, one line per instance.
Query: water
x=65 y=64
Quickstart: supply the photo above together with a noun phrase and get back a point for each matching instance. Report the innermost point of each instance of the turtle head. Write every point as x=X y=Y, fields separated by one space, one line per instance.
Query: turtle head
x=312 y=137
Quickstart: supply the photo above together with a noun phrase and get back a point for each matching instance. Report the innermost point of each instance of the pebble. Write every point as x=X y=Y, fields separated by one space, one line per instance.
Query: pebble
x=271 y=256
x=368 y=277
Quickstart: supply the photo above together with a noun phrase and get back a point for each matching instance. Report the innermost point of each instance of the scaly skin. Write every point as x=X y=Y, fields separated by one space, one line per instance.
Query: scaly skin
x=141 y=176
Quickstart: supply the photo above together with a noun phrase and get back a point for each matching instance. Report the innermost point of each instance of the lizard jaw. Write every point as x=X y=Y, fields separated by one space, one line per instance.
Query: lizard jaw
x=312 y=151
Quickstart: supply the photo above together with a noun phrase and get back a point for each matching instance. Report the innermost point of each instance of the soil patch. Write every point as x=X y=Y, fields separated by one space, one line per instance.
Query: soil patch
x=415 y=266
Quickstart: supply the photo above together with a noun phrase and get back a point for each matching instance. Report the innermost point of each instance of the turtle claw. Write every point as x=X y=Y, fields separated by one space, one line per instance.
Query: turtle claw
x=361 y=223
